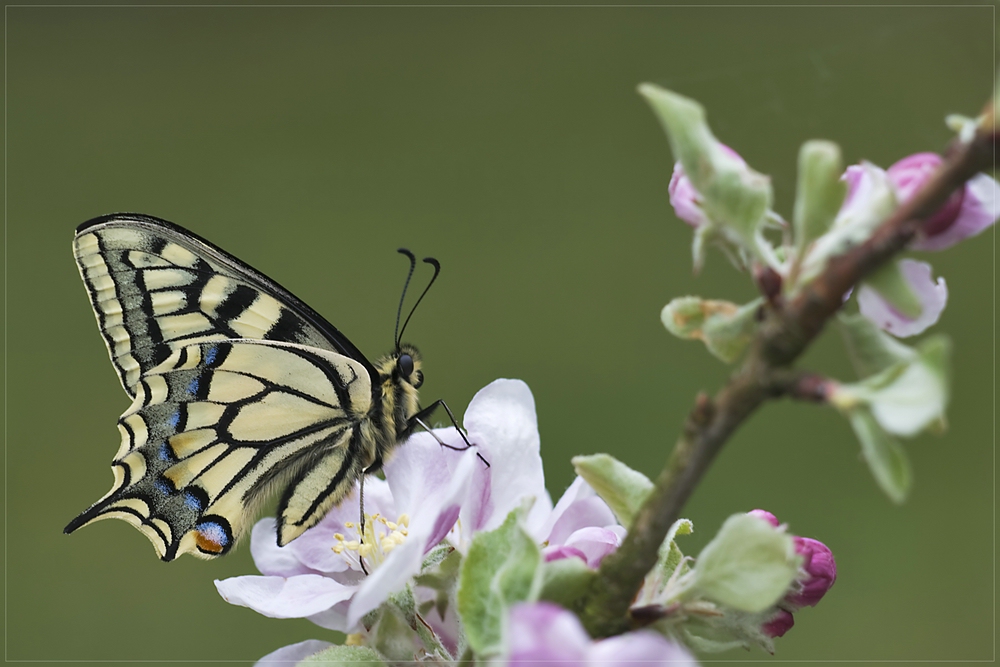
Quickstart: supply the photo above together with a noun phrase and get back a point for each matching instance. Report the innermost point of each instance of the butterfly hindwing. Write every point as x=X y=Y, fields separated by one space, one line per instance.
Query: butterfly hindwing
x=156 y=287
x=216 y=425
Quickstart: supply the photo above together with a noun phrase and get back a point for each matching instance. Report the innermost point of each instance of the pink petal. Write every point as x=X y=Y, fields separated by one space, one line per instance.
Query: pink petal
x=542 y=631
x=278 y=597
x=685 y=198
x=780 y=623
x=933 y=297
x=595 y=543
x=551 y=553
x=980 y=209
x=579 y=507
x=293 y=654
x=644 y=647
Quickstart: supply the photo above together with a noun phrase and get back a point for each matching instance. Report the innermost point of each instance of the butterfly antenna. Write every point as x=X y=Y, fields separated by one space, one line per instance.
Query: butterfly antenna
x=399 y=311
x=437 y=269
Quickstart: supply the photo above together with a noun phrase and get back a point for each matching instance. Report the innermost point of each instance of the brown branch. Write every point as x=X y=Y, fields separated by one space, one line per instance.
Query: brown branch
x=785 y=333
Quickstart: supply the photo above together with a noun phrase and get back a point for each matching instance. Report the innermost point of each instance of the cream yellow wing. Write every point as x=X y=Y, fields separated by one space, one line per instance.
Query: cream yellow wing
x=215 y=426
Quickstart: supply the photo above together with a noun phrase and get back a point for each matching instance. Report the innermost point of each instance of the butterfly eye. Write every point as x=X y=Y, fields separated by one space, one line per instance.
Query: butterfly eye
x=405 y=364
x=418 y=380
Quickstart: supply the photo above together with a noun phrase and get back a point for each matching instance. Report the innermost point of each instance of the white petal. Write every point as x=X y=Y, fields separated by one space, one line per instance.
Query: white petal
x=933 y=298
x=293 y=654
x=501 y=419
x=269 y=557
x=278 y=597
x=425 y=525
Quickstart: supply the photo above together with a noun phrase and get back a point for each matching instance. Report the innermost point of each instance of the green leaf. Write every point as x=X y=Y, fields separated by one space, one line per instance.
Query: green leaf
x=393 y=636
x=870 y=349
x=748 y=566
x=892 y=286
x=500 y=569
x=905 y=398
x=725 y=328
x=885 y=457
x=819 y=193
x=345 y=655
x=623 y=489
x=441 y=576
x=564 y=581
x=670 y=555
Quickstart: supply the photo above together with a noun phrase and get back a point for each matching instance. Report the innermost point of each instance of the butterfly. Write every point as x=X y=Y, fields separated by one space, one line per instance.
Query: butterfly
x=238 y=388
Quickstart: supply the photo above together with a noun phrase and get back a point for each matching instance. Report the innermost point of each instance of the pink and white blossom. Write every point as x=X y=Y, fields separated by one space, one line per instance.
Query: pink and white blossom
x=544 y=633
x=933 y=296
x=431 y=494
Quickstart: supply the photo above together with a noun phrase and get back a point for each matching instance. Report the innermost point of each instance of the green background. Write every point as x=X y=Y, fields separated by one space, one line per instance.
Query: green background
x=510 y=144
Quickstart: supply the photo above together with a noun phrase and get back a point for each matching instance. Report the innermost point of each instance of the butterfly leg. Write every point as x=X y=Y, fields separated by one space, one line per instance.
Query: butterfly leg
x=419 y=418
x=361 y=532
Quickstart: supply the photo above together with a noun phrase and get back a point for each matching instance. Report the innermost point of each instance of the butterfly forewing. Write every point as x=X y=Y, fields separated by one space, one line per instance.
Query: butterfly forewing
x=156 y=287
x=216 y=425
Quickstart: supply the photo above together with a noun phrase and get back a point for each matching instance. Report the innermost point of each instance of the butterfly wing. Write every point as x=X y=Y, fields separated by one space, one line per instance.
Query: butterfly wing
x=216 y=425
x=156 y=287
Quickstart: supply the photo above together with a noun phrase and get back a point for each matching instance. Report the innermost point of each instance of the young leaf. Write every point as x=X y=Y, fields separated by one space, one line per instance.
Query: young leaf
x=725 y=328
x=345 y=655
x=748 y=566
x=870 y=349
x=885 y=457
x=501 y=568
x=819 y=190
x=623 y=489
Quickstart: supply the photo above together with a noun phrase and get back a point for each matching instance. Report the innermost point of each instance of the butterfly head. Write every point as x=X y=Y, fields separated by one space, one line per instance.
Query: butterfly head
x=402 y=367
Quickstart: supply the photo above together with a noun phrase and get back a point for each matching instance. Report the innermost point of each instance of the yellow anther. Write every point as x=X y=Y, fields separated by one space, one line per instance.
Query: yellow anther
x=365 y=550
x=404 y=520
x=338 y=536
x=352 y=545
x=391 y=525
x=338 y=548
x=349 y=524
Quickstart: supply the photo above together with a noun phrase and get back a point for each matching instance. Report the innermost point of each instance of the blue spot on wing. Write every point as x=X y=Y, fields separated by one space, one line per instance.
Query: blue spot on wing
x=193 y=386
x=164 y=487
x=210 y=355
x=174 y=419
x=165 y=453
x=214 y=531
x=193 y=501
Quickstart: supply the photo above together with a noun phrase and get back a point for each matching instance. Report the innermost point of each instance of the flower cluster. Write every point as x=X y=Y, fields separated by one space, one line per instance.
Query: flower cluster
x=460 y=556
x=433 y=503
x=902 y=390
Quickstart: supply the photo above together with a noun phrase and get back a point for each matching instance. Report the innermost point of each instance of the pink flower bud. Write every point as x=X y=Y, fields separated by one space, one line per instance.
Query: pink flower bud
x=683 y=196
x=967 y=212
x=765 y=515
x=910 y=174
x=816 y=576
x=780 y=624
x=818 y=573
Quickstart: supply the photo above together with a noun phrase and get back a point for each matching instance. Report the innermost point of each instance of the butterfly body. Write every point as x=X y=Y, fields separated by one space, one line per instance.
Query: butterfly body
x=238 y=389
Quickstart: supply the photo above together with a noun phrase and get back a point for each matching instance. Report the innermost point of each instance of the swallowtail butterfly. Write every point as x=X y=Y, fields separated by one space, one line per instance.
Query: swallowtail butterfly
x=238 y=389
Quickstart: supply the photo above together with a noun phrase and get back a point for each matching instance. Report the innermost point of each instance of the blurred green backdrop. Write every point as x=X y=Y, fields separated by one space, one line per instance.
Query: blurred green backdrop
x=509 y=143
